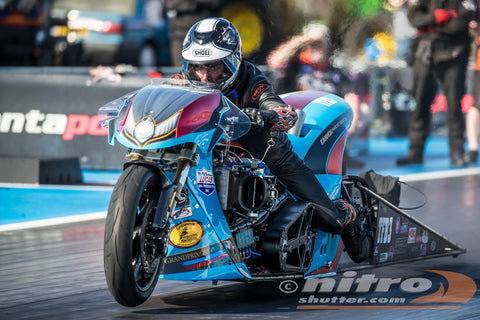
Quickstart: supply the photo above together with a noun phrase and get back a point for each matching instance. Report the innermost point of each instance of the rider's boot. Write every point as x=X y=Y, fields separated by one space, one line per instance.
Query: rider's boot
x=357 y=242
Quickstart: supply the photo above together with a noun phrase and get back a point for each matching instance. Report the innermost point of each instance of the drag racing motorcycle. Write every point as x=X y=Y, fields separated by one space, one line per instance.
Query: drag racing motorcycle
x=193 y=204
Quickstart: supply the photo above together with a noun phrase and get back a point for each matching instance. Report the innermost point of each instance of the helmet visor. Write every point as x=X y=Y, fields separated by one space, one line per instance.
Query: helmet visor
x=216 y=72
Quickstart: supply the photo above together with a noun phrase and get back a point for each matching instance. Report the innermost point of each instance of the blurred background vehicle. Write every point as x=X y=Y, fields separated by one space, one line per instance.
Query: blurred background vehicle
x=133 y=32
x=24 y=32
x=110 y=32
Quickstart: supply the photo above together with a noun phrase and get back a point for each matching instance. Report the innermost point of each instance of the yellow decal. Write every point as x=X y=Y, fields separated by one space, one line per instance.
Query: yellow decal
x=186 y=234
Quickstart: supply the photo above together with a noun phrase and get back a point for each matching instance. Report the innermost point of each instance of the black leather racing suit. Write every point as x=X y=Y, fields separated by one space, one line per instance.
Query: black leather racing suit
x=253 y=90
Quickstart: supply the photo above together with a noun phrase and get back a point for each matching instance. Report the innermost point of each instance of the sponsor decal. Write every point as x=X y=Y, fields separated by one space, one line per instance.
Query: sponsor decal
x=205 y=52
x=397 y=225
x=181 y=213
x=383 y=257
x=205 y=181
x=438 y=290
x=330 y=132
x=385 y=229
x=186 y=234
x=180 y=258
x=210 y=256
x=423 y=249
x=401 y=245
x=424 y=236
x=258 y=90
x=326 y=101
x=412 y=233
x=404 y=227
x=36 y=122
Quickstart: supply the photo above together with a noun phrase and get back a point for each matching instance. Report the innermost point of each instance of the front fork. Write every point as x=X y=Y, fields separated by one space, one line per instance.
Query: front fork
x=171 y=194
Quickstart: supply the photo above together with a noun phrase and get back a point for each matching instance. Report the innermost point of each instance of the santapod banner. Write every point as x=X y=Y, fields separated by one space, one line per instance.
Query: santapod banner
x=55 y=116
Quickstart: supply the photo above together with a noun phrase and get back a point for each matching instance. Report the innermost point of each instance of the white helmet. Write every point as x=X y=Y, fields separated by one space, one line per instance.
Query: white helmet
x=211 y=42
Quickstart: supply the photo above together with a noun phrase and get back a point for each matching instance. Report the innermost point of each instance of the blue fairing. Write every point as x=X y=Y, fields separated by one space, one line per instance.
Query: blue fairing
x=320 y=113
x=328 y=118
x=215 y=256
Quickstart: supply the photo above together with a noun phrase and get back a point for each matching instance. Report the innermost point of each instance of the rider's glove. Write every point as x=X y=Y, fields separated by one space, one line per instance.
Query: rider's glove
x=263 y=118
x=287 y=117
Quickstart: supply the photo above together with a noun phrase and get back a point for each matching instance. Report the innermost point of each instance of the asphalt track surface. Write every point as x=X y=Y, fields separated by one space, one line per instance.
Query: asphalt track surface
x=56 y=272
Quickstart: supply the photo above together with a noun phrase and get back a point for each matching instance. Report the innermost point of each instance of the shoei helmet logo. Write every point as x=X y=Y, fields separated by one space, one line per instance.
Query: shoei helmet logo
x=186 y=234
x=202 y=52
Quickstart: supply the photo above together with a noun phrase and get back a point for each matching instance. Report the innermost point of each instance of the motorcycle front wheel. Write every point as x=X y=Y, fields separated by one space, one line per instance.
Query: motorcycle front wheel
x=132 y=252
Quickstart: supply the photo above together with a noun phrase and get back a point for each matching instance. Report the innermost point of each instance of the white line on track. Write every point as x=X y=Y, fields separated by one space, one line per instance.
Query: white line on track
x=56 y=187
x=53 y=221
x=440 y=174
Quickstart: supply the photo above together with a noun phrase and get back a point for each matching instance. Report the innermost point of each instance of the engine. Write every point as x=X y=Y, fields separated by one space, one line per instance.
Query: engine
x=247 y=193
x=245 y=187
x=271 y=231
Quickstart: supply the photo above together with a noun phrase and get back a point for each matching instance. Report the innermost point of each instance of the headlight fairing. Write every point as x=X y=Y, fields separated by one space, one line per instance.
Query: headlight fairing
x=146 y=130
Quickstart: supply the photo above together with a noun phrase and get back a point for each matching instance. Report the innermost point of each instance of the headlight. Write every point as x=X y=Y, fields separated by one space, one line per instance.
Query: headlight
x=144 y=130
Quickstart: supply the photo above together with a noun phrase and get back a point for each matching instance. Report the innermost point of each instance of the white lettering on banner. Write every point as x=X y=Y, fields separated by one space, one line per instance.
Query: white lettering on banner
x=33 y=118
x=17 y=118
x=36 y=122
x=54 y=123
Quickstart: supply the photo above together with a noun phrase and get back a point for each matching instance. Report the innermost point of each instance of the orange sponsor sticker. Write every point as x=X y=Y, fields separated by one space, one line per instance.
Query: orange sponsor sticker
x=259 y=89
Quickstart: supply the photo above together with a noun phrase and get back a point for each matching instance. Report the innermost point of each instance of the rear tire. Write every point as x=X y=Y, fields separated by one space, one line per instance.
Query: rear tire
x=132 y=255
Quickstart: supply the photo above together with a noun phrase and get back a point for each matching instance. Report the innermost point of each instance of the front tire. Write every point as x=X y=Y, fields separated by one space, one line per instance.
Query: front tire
x=132 y=254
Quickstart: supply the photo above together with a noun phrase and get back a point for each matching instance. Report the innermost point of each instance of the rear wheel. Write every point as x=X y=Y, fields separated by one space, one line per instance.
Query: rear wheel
x=132 y=249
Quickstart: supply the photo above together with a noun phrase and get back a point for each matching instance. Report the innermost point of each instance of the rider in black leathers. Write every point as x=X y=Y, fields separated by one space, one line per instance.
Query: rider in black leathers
x=212 y=53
